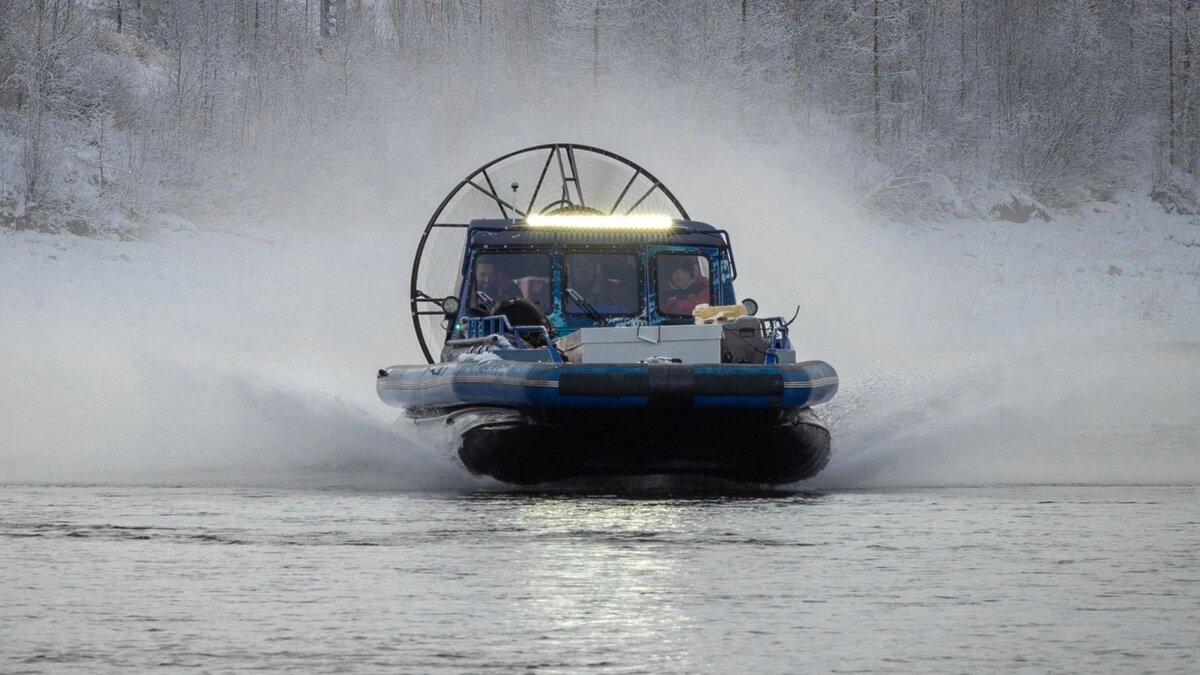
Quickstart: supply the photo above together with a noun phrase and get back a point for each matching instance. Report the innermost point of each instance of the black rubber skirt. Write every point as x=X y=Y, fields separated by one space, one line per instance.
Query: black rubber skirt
x=747 y=445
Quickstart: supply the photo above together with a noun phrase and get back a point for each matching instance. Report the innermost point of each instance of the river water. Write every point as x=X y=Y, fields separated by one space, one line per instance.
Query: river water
x=617 y=579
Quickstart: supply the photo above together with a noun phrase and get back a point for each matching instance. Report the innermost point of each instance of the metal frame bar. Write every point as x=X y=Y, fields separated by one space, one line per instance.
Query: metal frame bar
x=561 y=171
x=538 y=187
x=498 y=200
x=496 y=195
x=575 y=175
x=636 y=173
x=642 y=199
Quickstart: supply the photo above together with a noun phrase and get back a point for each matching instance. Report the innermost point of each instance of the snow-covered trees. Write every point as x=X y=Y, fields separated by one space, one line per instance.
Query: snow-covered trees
x=114 y=108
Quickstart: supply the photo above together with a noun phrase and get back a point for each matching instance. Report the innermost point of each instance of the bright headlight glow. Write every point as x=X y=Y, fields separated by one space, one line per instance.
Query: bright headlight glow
x=590 y=222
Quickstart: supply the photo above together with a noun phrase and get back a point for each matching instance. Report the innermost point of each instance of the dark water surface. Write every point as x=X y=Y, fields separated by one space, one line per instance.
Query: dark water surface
x=1037 y=579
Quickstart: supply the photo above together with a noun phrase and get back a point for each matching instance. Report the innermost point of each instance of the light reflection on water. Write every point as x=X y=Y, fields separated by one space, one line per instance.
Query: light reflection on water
x=1049 y=578
x=580 y=543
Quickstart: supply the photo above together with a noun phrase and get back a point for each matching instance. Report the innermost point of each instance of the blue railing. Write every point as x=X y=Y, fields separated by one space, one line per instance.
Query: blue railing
x=478 y=327
x=775 y=329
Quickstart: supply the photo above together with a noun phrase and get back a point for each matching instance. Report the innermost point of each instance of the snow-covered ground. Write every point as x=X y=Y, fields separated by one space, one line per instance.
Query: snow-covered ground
x=978 y=352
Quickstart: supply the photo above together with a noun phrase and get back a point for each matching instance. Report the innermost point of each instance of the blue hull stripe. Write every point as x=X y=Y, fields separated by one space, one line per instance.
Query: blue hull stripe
x=521 y=384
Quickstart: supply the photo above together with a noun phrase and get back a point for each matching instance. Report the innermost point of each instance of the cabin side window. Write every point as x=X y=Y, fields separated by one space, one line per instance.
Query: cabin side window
x=496 y=277
x=601 y=283
x=682 y=281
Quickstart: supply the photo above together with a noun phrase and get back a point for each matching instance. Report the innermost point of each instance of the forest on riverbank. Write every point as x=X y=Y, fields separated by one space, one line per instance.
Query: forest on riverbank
x=116 y=112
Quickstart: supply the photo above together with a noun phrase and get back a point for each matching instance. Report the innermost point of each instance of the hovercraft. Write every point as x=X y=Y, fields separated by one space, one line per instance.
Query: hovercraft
x=584 y=325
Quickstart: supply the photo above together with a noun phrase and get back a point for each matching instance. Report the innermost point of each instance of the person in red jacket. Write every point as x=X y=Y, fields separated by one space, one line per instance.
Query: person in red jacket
x=683 y=288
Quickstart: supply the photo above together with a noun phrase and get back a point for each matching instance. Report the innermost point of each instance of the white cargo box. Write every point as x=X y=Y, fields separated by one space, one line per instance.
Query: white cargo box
x=630 y=344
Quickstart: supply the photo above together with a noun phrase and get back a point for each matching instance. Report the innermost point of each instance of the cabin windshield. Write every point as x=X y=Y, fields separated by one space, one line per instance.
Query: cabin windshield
x=601 y=283
x=584 y=279
x=499 y=276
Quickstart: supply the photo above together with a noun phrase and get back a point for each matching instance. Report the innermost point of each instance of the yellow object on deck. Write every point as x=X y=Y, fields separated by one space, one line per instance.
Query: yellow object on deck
x=718 y=313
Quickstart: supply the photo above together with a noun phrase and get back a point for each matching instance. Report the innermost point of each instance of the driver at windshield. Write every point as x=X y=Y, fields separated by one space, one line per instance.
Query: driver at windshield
x=496 y=277
x=490 y=286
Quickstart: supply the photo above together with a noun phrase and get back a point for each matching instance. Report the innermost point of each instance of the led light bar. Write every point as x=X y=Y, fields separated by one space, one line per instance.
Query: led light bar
x=591 y=222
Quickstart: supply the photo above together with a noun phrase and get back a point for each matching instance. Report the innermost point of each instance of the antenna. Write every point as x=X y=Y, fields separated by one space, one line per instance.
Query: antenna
x=514 y=187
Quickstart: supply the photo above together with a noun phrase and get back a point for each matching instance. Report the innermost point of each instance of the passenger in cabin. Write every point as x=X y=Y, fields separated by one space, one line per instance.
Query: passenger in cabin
x=500 y=276
x=487 y=282
x=680 y=285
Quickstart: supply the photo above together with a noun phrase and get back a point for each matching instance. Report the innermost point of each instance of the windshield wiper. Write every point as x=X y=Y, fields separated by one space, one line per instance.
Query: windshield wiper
x=488 y=304
x=587 y=306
